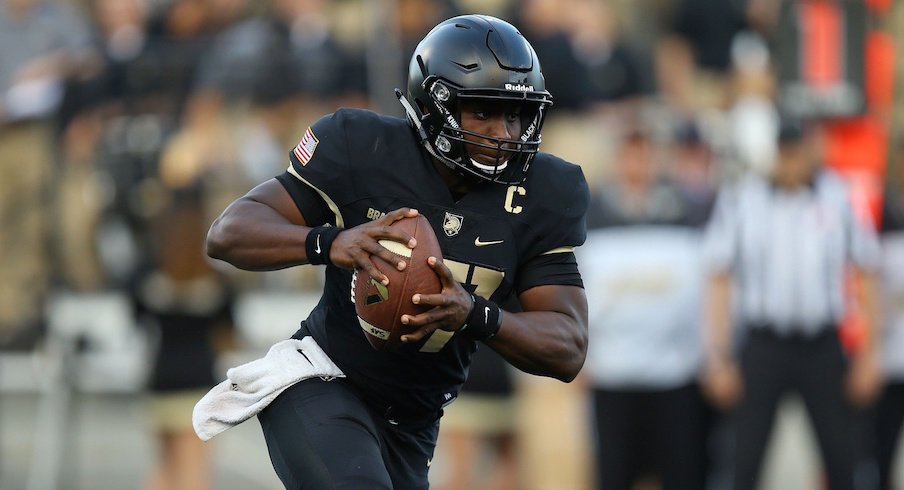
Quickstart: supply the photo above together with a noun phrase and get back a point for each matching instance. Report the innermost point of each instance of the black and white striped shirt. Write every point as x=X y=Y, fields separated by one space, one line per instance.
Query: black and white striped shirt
x=788 y=250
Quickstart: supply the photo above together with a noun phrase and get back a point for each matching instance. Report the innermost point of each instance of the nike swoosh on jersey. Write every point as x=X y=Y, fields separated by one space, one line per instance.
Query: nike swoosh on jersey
x=479 y=243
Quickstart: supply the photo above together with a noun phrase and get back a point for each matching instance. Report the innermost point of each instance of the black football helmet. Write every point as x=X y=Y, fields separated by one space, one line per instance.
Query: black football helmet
x=475 y=57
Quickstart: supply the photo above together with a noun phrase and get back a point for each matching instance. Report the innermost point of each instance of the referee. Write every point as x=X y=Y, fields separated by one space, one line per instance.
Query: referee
x=890 y=405
x=778 y=249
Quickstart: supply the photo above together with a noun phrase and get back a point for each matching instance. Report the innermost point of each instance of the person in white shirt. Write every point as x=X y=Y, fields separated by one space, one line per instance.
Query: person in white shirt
x=642 y=268
x=890 y=406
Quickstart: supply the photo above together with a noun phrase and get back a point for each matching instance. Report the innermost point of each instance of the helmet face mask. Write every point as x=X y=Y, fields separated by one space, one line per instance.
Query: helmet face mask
x=478 y=59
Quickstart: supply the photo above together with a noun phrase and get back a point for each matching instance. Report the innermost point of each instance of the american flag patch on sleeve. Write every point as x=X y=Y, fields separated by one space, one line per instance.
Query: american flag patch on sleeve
x=305 y=149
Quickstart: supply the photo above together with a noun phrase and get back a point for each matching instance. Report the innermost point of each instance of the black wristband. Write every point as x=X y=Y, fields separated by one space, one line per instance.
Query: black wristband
x=318 y=242
x=484 y=319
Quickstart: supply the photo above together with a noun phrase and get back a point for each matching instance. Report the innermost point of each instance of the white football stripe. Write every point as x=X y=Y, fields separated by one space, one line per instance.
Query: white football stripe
x=396 y=248
x=375 y=331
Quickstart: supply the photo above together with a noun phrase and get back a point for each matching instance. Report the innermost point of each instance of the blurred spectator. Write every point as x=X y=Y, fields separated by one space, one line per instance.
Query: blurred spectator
x=152 y=63
x=587 y=59
x=693 y=170
x=266 y=59
x=785 y=241
x=188 y=306
x=119 y=36
x=479 y=429
x=243 y=76
x=544 y=24
x=95 y=150
x=890 y=408
x=893 y=203
x=675 y=77
x=159 y=79
x=496 y=8
x=641 y=264
x=267 y=69
x=613 y=71
x=752 y=118
x=259 y=82
x=42 y=45
x=637 y=193
x=416 y=18
x=391 y=40
x=709 y=26
x=762 y=16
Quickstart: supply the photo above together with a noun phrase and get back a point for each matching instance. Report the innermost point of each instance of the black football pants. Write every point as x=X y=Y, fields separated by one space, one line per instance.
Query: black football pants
x=889 y=419
x=640 y=431
x=815 y=368
x=320 y=435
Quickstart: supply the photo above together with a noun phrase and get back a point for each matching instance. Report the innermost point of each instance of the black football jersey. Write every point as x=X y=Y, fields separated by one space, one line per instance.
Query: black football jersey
x=498 y=241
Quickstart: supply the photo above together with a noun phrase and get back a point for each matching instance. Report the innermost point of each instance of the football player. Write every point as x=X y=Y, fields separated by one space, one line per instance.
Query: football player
x=507 y=217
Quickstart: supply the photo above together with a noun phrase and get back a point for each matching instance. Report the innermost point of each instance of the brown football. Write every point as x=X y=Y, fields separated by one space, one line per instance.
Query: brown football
x=380 y=308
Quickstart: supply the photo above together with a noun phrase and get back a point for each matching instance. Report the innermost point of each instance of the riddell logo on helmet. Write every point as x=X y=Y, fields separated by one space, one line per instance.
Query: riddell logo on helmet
x=519 y=87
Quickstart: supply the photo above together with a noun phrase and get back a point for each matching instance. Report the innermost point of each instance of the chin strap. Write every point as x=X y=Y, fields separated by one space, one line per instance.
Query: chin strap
x=412 y=115
x=419 y=128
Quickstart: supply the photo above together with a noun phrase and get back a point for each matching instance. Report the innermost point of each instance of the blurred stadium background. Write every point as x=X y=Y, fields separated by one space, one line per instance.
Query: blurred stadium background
x=114 y=111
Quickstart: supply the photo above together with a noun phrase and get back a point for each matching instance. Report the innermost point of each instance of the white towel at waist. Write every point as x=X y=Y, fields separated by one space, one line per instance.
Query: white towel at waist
x=249 y=388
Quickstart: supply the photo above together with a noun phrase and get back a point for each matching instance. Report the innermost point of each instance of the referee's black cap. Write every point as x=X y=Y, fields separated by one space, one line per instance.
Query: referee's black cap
x=790 y=130
x=688 y=134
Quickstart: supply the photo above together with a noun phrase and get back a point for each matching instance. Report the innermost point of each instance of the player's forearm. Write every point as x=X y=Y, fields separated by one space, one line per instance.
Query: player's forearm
x=717 y=334
x=543 y=343
x=253 y=236
x=867 y=299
